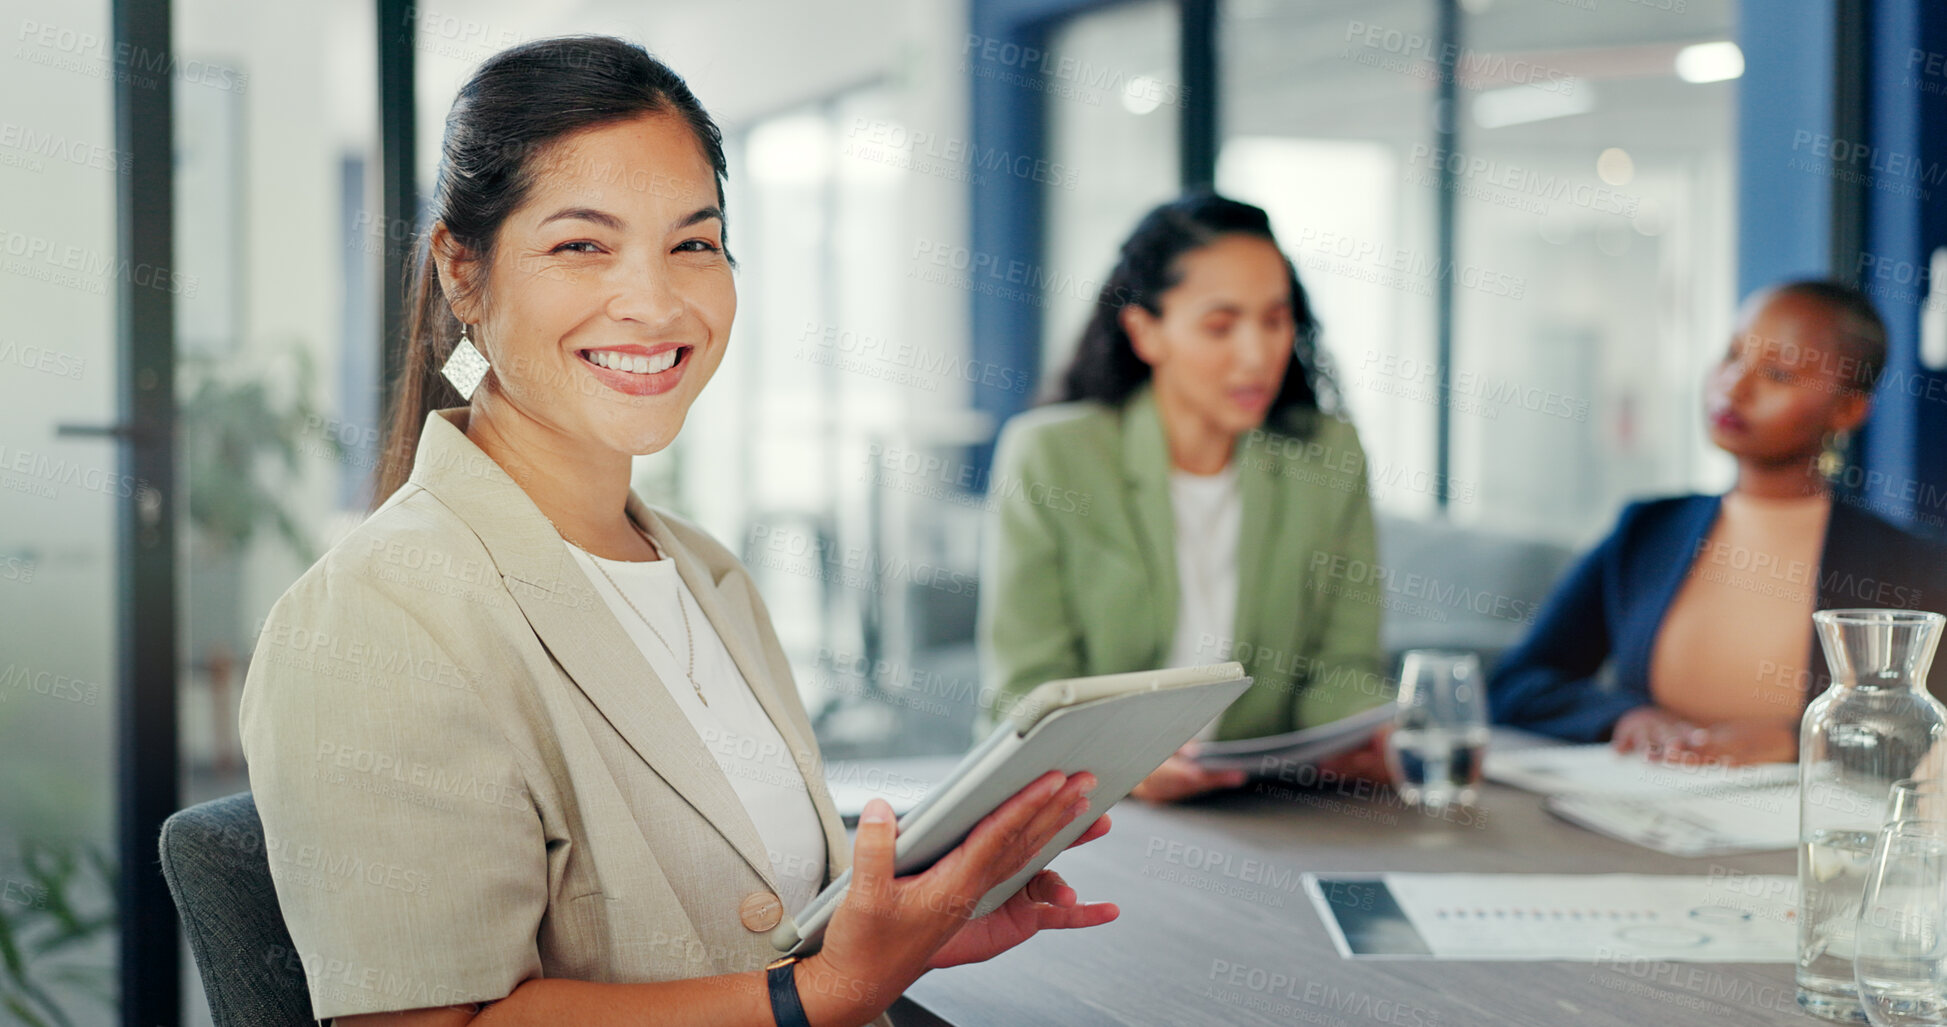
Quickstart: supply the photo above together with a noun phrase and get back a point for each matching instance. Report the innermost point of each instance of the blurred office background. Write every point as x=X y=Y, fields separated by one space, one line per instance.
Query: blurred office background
x=1525 y=225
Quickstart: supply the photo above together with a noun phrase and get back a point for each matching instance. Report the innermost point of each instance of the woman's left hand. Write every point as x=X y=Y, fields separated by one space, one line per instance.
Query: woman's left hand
x=1366 y=763
x=1736 y=742
x=1046 y=903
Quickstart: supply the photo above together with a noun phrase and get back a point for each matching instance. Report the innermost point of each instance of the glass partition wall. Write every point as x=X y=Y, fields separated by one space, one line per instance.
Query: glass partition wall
x=60 y=494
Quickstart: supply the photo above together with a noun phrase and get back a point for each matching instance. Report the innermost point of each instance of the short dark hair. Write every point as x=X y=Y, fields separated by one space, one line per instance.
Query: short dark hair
x=1860 y=330
x=1106 y=367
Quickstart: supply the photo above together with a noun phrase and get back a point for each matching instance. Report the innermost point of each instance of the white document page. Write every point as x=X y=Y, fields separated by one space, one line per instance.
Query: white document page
x=1542 y=917
x=1601 y=770
x=1684 y=809
x=1713 y=824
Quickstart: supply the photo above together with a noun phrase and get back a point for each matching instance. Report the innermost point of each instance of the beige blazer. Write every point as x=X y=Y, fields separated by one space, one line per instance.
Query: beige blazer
x=469 y=776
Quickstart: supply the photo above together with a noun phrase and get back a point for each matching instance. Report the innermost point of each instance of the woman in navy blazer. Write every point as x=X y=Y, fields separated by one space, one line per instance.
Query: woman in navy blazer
x=1610 y=605
x=1797 y=377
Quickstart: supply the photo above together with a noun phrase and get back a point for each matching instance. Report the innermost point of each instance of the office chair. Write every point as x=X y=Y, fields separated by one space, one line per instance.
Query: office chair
x=214 y=860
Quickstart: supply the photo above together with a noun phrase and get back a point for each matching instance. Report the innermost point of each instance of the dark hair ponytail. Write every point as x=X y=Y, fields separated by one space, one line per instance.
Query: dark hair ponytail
x=1106 y=367
x=507 y=115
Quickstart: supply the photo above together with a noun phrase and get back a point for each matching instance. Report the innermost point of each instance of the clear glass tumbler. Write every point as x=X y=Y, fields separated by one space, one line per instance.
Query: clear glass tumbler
x=1917 y=798
x=1439 y=729
x=1901 y=950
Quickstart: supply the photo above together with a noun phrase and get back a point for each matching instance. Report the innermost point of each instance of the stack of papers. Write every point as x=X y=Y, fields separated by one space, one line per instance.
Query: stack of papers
x=1684 y=809
x=1296 y=748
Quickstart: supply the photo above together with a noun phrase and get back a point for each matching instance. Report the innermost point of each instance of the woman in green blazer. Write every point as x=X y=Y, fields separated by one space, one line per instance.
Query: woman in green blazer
x=1192 y=498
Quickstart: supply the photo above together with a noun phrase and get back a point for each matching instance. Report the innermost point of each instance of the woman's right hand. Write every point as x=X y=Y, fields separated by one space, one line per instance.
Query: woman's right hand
x=1181 y=777
x=1650 y=730
x=886 y=932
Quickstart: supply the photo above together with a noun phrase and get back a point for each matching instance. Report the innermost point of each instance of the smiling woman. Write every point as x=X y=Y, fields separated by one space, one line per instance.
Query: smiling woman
x=603 y=303
x=608 y=310
x=561 y=714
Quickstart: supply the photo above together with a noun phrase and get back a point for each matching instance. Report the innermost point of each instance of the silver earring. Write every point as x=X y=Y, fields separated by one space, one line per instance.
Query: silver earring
x=465 y=367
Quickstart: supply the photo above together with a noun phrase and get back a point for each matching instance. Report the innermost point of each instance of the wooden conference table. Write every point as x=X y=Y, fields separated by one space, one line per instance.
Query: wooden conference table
x=1210 y=946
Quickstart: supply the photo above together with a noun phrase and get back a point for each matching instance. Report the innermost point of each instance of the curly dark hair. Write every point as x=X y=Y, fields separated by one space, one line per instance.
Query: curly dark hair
x=1106 y=367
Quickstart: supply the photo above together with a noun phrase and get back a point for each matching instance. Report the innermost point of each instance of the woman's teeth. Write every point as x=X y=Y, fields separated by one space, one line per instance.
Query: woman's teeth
x=632 y=362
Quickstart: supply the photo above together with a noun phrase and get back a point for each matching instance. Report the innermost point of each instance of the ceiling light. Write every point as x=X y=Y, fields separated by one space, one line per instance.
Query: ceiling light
x=1615 y=166
x=1142 y=94
x=1710 y=62
x=1519 y=105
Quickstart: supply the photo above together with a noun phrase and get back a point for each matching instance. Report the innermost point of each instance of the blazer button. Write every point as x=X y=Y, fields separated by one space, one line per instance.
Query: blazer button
x=760 y=911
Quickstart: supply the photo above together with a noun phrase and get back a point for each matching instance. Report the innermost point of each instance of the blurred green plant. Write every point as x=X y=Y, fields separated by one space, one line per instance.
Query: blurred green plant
x=41 y=922
x=231 y=421
x=244 y=416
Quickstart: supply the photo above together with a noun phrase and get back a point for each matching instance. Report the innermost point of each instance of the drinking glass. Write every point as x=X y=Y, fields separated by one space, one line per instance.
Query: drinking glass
x=1900 y=951
x=1916 y=798
x=1439 y=729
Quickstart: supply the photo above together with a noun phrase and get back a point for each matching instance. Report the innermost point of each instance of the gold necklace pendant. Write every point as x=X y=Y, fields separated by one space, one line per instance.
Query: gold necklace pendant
x=689 y=634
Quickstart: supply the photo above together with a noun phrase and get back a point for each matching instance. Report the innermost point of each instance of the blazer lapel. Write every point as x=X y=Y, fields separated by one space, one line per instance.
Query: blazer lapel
x=1689 y=529
x=763 y=679
x=1146 y=468
x=1694 y=528
x=573 y=622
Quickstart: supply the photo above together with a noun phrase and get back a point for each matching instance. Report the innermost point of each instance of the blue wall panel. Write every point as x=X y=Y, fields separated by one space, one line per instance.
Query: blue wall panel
x=1006 y=214
x=1902 y=166
x=1784 y=109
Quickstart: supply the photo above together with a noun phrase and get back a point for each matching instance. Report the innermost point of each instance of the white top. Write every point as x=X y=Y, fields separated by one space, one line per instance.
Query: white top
x=733 y=726
x=1209 y=513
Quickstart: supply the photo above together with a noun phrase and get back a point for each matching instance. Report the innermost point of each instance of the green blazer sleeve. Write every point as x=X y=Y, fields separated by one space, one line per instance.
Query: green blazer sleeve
x=1025 y=629
x=1346 y=675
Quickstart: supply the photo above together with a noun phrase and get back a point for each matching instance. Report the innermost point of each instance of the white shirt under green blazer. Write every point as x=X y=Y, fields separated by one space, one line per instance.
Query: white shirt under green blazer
x=1080 y=571
x=469 y=775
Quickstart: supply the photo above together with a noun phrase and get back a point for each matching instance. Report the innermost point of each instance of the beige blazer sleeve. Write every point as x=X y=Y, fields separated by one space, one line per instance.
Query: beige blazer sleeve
x=469 y=776
x=407 y=857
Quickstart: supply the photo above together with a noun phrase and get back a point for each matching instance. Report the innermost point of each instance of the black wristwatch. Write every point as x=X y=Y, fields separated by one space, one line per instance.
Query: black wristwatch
x=785 y=1007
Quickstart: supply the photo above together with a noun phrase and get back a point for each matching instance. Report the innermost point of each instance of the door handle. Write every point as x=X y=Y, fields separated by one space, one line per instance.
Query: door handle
x=120 y=431
x=148 y=500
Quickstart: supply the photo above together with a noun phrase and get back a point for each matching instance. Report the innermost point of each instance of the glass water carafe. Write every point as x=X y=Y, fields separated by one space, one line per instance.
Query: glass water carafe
x=1874 y=726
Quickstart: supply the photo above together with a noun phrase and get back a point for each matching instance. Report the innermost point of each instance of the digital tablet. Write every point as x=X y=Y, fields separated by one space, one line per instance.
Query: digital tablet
x=1118 y=727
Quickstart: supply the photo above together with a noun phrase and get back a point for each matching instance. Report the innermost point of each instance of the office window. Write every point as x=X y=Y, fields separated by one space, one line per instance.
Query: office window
x=805 y=453
x=1595 y=255
x=789 y=435
x=1591 y=258
x=1113 y=101
x=1323 y=131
